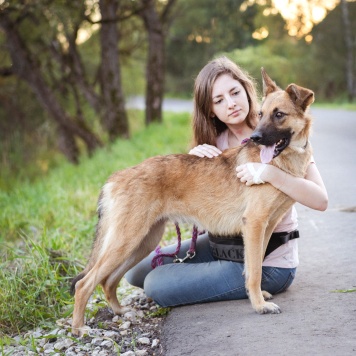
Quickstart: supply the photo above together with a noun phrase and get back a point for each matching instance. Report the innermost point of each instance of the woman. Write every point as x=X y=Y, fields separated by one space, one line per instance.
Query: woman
x=225 y=113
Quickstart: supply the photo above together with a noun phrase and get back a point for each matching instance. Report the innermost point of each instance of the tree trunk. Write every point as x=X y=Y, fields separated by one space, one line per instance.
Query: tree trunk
x=155 y=65
x=155 y=25
x=27 y=68
x=114 y=118
x=350 y=52
x=67 y=144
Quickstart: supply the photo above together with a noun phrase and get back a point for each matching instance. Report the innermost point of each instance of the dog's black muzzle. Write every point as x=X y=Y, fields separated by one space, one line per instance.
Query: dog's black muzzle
x=280 y=139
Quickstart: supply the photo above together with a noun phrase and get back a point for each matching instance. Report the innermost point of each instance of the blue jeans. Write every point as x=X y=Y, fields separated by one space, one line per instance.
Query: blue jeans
x=201 y=279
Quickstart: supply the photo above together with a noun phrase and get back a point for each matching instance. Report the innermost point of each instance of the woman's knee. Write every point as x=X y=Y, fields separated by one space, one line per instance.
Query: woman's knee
x=135 y=276
x=155 y=287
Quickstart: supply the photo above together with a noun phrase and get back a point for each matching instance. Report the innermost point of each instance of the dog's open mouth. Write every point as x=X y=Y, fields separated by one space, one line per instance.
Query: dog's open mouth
x=270 y=152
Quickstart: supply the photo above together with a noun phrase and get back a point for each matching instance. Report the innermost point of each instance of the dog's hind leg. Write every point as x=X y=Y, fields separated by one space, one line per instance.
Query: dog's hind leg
x=148 y=244
x=115 y=258
x=111 y=260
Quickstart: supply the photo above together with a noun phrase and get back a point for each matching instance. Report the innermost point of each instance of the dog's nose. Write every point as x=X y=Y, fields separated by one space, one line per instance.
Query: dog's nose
x=256 y=137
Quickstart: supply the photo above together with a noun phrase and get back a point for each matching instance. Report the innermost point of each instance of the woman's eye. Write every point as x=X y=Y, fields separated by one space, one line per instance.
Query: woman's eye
x=236 y=93
x=218 y=102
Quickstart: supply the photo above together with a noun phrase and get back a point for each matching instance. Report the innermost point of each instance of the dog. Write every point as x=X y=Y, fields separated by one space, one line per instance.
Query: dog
x=135 y=203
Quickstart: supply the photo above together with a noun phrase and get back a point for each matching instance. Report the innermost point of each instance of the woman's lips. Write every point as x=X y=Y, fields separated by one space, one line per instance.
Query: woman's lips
x=235 y=113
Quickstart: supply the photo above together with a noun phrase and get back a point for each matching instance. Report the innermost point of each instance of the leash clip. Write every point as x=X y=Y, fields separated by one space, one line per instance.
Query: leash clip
x=189 y=255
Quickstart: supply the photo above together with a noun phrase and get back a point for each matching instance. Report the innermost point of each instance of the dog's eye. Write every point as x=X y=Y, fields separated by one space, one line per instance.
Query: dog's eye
x=260 y=114
x=279 y=115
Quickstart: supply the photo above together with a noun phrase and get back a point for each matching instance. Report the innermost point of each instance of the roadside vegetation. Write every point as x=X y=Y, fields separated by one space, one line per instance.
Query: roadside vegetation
x=47 y=225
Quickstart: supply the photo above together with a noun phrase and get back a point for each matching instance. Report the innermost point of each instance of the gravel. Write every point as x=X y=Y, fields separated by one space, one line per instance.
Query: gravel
x=137 y=333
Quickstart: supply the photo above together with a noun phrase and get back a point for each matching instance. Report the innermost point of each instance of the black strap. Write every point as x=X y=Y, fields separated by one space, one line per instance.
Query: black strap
x=231 y=248
x=280 y=238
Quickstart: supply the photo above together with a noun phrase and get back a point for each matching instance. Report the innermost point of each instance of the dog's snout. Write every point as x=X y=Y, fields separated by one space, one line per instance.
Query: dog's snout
x=256 y=137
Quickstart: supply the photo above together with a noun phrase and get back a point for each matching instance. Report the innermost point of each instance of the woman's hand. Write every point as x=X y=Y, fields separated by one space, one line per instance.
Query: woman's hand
x=251 y=173
x=205 y=151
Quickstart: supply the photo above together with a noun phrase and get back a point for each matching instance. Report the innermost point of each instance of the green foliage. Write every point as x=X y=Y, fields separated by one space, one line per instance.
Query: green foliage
x=252 y=59
x=352 y=290
x=160 y=312
x=328 y=54
x=201 y=29
x=47 y=226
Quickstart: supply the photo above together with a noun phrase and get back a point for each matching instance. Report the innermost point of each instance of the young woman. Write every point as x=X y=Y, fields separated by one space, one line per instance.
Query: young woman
x=225 y=113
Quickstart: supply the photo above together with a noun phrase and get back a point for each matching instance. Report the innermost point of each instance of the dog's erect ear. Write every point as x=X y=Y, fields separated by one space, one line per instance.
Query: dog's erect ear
x=269 y=85
x=301 y=96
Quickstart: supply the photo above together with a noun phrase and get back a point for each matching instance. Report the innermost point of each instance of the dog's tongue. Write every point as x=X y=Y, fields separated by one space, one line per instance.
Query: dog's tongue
x=266 y=153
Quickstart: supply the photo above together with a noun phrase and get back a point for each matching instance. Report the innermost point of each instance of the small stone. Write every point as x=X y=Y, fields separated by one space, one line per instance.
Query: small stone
x=63 y=344
x=106 y=343
x=144 y=341
x=141 y=353
x=155 y=343
x=115 y=319
x=110 y=334
x=128 y=353
x=96 y=341
x=126 y=325
x=131 y=315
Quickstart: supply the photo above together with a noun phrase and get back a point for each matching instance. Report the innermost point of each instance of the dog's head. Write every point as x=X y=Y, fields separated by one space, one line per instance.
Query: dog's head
x=282 y=118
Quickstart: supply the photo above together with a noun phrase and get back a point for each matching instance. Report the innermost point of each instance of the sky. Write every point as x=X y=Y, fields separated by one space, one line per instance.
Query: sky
x=300 y=15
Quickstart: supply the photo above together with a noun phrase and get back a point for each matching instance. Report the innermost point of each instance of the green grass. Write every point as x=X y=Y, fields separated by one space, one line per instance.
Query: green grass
x=47 y=225
x=336 y=105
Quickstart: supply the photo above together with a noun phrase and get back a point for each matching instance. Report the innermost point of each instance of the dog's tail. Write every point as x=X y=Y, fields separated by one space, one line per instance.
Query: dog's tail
x=74 y=282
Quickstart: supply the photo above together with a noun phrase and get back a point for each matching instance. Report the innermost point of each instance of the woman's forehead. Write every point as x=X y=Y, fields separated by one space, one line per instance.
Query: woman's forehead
x=224 y=83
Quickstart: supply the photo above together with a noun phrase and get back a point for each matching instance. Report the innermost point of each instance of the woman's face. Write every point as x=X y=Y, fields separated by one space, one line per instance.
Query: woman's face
x=229 y=100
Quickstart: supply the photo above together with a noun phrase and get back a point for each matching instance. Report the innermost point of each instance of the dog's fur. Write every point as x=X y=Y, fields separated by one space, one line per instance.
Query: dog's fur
x=135 y=203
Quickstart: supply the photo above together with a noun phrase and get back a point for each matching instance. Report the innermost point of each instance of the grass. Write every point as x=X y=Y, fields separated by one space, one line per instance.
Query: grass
x=336 y=105
x=47 y=226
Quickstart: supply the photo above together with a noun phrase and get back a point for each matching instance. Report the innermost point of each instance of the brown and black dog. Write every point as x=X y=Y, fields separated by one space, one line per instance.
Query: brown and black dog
x=135 y=203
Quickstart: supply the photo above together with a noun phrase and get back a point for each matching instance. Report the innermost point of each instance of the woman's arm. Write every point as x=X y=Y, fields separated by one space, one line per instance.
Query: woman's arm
x=309 y=191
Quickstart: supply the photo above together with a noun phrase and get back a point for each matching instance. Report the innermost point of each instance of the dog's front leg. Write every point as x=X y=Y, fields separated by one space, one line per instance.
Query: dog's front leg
x=253 y=240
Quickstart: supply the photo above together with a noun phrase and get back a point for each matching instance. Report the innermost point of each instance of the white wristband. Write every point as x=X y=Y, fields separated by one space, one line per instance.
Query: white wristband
x=256 y=175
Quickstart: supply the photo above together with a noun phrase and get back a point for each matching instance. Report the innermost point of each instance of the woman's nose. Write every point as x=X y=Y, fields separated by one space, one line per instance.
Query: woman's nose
x=230 y=102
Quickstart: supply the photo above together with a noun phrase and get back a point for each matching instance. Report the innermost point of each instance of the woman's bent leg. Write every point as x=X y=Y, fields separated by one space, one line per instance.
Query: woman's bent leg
x=190 y=283
x=201 y=279
x=180 y=284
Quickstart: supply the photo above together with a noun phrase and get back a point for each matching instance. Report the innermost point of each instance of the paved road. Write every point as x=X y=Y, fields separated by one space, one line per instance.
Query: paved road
x=315 y=320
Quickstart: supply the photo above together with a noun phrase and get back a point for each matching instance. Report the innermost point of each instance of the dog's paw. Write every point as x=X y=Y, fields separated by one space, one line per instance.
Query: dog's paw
x=266 y=295
x=79 y=332
x=121 y=310
x=269 y=308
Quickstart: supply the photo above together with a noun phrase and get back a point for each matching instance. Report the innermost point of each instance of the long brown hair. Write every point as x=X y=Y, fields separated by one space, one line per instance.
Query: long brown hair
x=206 y=128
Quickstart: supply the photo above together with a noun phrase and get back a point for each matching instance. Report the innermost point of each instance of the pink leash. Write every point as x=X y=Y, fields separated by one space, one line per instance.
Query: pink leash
x=158 y=259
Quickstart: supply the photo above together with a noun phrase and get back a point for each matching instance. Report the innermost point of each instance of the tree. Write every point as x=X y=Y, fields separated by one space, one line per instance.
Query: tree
x=350 y=44
x=333 y=65
x=115 y=119
x=201 y=30
x=27 y=67
x=156 y=22
x=48 y=59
